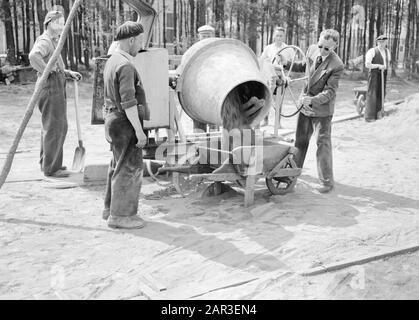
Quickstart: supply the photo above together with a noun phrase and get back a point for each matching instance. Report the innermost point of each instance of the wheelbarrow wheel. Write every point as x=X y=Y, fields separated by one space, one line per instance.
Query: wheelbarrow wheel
x=282 y=185
x=360 y=104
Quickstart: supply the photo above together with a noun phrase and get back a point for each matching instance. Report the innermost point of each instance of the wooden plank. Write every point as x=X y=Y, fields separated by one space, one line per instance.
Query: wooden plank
x=285 y=172
x=278 y=167
x=362 y=260
x=217 y=176
x=146 y=290
x=153 y=283
x=232 y=285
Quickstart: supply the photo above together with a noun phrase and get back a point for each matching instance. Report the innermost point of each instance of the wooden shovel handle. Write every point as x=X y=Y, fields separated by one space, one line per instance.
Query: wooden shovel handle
x=76 y=106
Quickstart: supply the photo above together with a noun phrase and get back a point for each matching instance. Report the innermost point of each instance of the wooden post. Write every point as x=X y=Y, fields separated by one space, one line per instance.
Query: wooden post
x=249 y=191
x=35 y=96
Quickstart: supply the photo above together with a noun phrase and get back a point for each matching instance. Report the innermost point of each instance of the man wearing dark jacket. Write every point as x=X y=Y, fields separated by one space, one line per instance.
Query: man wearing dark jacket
x=125 y=111
x=318 y=104
x=377 y=60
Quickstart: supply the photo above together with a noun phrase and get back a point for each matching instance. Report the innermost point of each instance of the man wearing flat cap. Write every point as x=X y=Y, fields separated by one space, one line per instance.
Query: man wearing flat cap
x=125 y=110
x=377 y=60
x=205 y=32
x=52 y=102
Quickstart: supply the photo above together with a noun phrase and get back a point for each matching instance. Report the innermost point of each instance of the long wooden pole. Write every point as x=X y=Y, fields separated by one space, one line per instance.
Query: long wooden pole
x=35 y=96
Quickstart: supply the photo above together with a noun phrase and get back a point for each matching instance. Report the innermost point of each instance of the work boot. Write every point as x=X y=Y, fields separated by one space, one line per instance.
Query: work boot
x=131 y=222
x=325 y=189
x=106 y=213
x=61 y=168
x=58 y=174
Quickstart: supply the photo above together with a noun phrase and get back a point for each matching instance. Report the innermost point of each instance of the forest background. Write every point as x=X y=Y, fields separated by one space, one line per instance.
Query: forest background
x=251 y=21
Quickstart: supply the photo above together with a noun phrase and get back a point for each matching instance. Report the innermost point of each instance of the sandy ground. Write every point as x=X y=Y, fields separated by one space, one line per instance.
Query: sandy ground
x=54 y=244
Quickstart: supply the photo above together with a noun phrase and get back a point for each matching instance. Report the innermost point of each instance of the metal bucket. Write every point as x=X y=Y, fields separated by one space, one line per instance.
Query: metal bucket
x=210 y=70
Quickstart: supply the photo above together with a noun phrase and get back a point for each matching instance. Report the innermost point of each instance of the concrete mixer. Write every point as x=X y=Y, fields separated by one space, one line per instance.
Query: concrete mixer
x=219 y=82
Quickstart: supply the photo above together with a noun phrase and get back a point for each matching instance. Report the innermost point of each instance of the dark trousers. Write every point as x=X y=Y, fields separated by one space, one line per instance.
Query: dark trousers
x=322 y=127
x=126 y=167
x=374 y=101
x=53 y=106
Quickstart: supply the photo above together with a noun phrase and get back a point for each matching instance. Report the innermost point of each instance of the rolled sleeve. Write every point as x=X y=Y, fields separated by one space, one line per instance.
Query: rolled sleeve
x=368 y=58
x=37 y=55
x=127 y=86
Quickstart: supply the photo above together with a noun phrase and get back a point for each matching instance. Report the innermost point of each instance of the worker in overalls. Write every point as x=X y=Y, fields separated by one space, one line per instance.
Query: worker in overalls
x=125 y=110
x=52 y=101
x=377 y=60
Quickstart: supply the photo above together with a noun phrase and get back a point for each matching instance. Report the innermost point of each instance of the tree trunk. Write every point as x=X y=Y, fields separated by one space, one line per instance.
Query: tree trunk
x=329 y=14
x=230 y=32
x=297 y=24
x=320 y=18
x=175 y=26
x=33 y=20
x=407 y=40
x=262 y=28
x=181 y=21
x=41 y=15
x=238 y=22
x=8 y=24
x=192 y=19
x=80 y=33
x=346 y=18
x=348 y=51
x=185 y=20
x=68 y=51
x=201 y=10
x=16 y=30
x=339 y=19
x=252 y=30
x=290 y=21
x=371 y=24
x=308 y=29
x=364 y=42
x=25 y=49
x=28 y=25
x=164 y=23
x=416 y=55
x=396 y=39
x=378 y=24
x=244 y=39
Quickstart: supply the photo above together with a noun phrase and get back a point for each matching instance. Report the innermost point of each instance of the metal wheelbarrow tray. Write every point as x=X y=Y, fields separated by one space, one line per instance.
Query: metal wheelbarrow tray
x=244 y=165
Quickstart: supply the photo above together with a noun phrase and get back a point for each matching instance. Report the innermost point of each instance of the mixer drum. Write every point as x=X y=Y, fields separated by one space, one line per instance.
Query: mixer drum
x=212 y=69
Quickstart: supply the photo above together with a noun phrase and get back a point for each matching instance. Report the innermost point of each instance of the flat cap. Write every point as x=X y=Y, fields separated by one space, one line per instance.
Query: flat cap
x=206 y=28
x=128 y=29
x=382 y=37
x=52 y=15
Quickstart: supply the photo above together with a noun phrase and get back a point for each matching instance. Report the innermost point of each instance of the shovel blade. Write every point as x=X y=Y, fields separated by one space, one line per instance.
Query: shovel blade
x=78 y=160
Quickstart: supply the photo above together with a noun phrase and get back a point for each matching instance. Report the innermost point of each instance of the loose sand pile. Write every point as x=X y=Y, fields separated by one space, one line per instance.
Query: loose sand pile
x=402 y=127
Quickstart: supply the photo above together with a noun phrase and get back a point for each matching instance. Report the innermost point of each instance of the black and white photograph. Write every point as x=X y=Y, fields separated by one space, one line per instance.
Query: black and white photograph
x=209 y=150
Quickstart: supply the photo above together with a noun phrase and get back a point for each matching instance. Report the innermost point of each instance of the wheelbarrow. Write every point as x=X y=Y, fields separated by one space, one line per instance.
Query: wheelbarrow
x=244 y=166
x=360 y=99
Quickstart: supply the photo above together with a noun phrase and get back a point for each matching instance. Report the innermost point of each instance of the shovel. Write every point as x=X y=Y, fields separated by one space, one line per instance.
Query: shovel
x=80 y=152
x=382 y=93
